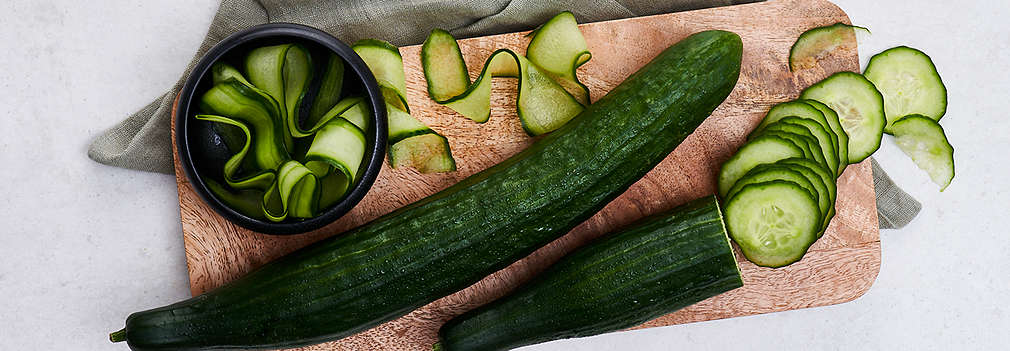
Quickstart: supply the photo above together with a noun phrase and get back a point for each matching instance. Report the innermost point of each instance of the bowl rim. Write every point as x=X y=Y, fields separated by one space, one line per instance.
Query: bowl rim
x=377 y=147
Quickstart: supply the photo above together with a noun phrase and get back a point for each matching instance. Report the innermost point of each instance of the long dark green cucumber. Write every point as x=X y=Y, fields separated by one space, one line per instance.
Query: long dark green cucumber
x=659 y=265
x=445 y=242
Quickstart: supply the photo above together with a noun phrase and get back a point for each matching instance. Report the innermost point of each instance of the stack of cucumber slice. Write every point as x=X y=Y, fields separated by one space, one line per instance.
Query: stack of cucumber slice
x=779 y=189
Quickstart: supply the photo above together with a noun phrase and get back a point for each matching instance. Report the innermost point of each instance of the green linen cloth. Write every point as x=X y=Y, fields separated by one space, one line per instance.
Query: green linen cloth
x=143 y=141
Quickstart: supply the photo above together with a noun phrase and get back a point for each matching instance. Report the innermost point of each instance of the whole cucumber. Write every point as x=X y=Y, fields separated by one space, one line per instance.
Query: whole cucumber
x=450 y=240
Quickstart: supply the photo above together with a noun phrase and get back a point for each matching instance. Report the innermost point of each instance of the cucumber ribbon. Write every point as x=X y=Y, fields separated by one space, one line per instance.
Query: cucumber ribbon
x=411 y=142
x=549 y=93
x=268 y=176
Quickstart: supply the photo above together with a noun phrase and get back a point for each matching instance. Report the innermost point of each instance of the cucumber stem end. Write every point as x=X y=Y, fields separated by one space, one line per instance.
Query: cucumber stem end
x=118 y=336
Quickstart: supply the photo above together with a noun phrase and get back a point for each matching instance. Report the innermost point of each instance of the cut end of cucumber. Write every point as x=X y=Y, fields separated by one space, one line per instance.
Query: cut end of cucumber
x=428 y=153
x=923 y=140
x=774 y=223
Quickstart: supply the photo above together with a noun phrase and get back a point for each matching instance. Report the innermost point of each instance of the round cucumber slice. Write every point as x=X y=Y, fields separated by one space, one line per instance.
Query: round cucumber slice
x=816 y=43
x=797 y=108
x=828 y=150
x=836 y=127
x=909 y=82
x=761 y=150
x=922 y=139
x=822 y=180
x=774 y=171
x=860 y=109
x=773 y=222
x=802 y=137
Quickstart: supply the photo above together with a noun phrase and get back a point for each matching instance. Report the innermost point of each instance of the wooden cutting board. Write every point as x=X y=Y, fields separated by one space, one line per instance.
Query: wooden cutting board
x=840 y=267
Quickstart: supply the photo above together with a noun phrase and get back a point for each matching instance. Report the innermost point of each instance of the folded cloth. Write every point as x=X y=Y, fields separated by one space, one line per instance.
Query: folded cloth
x=143 y=142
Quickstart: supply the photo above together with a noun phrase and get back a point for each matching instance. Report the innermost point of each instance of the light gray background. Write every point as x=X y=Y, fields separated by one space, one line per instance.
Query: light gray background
x=83 y=245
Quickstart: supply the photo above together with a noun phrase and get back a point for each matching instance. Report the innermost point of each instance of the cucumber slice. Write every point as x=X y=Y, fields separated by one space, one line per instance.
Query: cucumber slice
x=828 y=150
x=344 y=106
x=262 y=178
x=836 y=127
x=542 y=104
x=922 y=139
x=823 y=181
x=444 y=68
x=425 y=152
x=816 y=43
x=774 y=171
x=800 y=136
x=760 y=150
x=792 y=109
x=909 y=82
x=341 y=145
x=258 y=112
x=294 y=194
x=331 y=84
x=283 y=71
x=559 y=48
x=774 y=223
x=387 y=65
x=860 y=109
x=246 y=202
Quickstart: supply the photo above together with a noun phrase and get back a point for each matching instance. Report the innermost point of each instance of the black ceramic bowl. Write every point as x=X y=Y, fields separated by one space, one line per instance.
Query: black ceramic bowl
x=202 y=154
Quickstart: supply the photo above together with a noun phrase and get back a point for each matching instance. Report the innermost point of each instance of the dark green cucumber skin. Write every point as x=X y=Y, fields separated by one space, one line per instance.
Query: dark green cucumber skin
x=445 y=242
x=662 y=264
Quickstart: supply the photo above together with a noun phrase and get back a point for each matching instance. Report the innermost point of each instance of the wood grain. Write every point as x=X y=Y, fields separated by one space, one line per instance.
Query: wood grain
x=840 y=267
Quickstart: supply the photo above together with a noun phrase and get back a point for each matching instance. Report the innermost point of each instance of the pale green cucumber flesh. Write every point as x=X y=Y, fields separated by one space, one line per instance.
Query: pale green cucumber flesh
x=427 y=153
x=860 y=109
x=815 y=44
x=923 y=140
x=774 y=223
x=542 y=104
x=909 y=82
x=843 y=139
x=559 y=48
x=443 y=65
x=331 y=85
x=760 y=150
x=774 y=171
x=827 y=187
x=828 y=150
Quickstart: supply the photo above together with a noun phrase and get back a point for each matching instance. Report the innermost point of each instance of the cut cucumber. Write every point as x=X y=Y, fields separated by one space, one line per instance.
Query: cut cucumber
x=791 y=109
x=559 y=48
x=816 y=43
x=827 y=189
x=828 y=150
x=341 y=145
x=387 y=65
x=427 y=153
x=801 y=137
x=261 y=178
x=860 y=109
x=909 y=82
x=239 y=102
x=331 y=84
x=774 y=171
x=922 y=139
x=836 y=127
x=773 y=222
x=344 y=106
x=283 y=71
x=294 y=194
x=542 y=104
x=760 y=150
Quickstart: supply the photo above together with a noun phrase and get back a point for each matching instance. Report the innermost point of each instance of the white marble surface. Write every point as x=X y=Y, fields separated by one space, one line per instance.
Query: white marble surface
x=85 y=244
